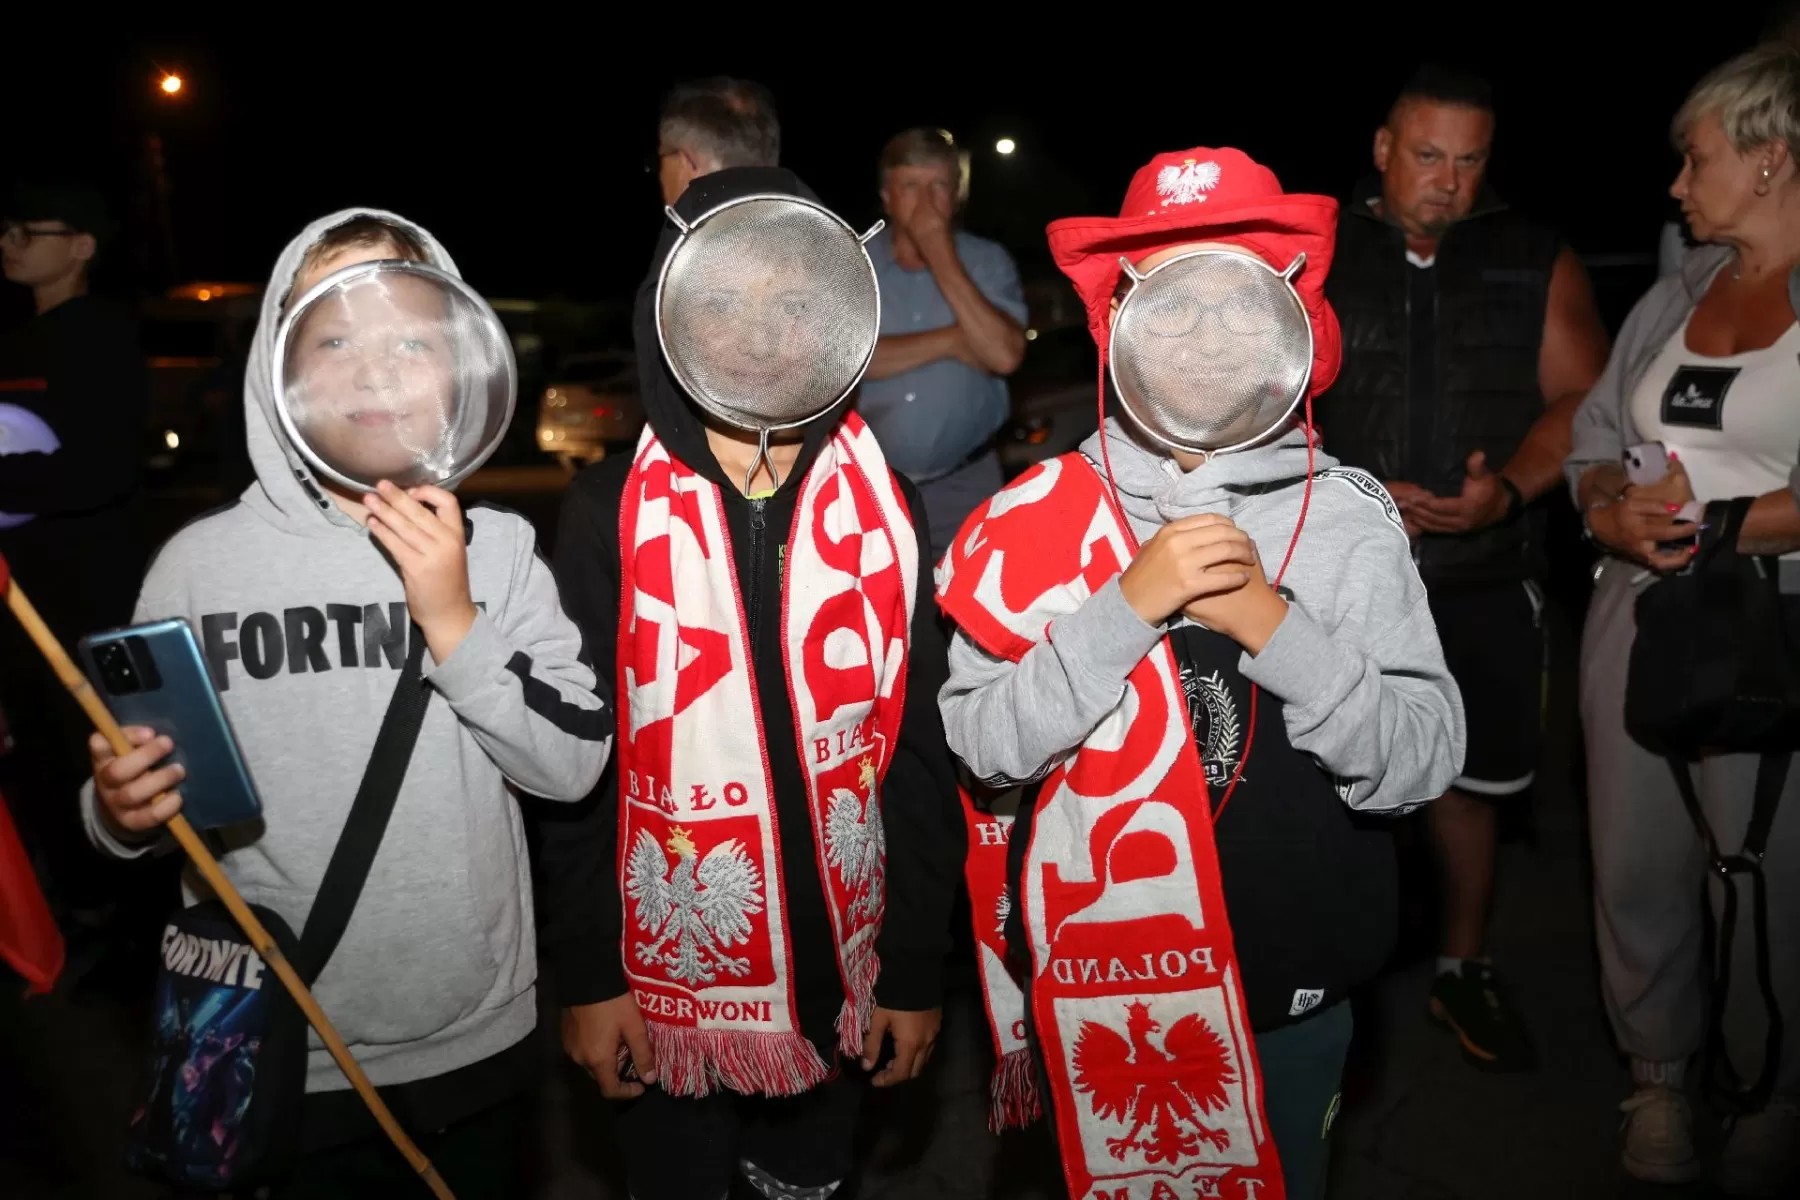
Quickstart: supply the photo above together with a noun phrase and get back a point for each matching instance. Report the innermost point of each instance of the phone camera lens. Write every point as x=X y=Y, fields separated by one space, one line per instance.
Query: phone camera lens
x=116 y=670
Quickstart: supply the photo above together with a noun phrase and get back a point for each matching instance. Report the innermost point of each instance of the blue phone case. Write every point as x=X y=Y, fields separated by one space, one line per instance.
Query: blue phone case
x=154 y=675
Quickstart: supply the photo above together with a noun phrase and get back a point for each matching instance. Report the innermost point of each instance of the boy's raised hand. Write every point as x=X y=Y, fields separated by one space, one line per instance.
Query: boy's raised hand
x=1187 y=559
x=1248 y=614
x=1208 y=568
x=431 y=551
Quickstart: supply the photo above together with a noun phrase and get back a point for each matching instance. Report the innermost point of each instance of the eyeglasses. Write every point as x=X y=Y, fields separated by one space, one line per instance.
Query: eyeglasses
x=17 y=233
x=653 y=164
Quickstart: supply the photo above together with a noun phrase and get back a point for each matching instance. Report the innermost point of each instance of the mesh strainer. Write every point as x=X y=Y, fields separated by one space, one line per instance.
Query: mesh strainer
x=394 y=370
x=767 y=311
x=1211 y=350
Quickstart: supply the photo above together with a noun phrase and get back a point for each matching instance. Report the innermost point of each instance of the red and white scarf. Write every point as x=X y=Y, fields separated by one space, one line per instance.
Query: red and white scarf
x=1136 y=1004
x=706 y=946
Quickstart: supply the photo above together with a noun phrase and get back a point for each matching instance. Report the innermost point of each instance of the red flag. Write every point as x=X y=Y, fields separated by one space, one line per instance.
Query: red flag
x=29 y=940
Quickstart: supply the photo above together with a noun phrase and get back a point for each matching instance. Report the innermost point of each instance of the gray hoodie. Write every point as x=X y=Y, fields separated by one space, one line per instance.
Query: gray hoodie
x=1356 y=661
x=304 y=622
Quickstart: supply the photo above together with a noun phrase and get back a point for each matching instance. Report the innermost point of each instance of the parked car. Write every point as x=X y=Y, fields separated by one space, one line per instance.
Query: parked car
x=590 y=408
x=194 y=339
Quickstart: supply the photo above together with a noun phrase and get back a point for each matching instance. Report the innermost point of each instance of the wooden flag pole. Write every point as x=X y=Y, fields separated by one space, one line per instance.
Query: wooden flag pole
x=209 y=869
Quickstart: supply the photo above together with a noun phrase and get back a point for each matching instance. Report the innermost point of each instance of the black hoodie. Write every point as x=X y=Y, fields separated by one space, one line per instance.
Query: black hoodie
x=584 y=915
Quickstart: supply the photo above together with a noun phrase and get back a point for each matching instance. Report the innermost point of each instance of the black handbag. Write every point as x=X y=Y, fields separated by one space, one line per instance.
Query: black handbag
x=1714 y=670
x=228 y=1044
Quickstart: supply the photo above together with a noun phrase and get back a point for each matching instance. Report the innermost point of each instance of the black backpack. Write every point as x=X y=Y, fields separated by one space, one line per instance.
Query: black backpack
x=228 y=1044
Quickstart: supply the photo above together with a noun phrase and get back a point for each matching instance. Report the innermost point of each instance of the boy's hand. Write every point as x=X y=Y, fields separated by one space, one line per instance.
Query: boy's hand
x=915 y=1036
x=430 y=550
x=134 y=798
x=1248 y=614
x=1185 y=561
x=592 y=1035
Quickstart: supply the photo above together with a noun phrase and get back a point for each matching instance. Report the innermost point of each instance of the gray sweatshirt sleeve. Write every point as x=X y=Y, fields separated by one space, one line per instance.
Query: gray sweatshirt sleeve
x=1379 y=712
x=1596 y=435
x=1013 y=722
x=519 y=687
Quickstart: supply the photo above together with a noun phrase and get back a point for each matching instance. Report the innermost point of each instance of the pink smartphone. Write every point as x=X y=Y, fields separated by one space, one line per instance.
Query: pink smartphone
x=1646 y=463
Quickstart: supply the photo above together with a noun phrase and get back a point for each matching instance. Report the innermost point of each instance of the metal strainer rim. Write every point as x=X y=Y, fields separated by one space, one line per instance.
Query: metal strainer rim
x=687 y=229
x=1286 y=280
x=381 y=266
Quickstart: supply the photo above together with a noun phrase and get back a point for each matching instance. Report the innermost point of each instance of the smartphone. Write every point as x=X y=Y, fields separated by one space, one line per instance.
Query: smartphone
x=1646 y=463
x=154 y=675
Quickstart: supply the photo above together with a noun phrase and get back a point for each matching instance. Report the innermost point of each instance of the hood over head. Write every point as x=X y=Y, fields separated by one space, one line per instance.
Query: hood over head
x=286 y=486
x=675 y=418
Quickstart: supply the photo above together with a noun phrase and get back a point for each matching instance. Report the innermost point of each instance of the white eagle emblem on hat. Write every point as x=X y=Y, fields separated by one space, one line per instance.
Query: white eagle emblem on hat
x=1188 y=182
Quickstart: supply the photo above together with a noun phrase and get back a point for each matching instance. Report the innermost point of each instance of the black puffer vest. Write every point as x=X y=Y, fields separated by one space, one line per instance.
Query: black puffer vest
x=1491 y=284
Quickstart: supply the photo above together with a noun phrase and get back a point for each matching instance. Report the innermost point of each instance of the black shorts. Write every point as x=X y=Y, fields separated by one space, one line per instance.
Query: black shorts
x=1493 y=638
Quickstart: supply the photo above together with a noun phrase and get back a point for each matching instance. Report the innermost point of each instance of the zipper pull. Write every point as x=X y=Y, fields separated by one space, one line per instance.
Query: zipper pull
x=758 y=520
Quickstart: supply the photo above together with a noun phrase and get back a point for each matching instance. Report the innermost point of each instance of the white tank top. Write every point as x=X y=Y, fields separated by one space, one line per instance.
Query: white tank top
x=1734 y=421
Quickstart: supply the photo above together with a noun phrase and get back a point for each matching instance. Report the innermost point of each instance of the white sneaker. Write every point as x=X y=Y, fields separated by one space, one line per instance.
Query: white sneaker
x=1659 y=1136
x=1762 y=1155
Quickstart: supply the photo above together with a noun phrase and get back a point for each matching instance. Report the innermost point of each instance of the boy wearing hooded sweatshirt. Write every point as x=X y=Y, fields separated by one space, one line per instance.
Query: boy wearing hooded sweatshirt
x=302 y=593
x=1189 y=883
x=761 y=888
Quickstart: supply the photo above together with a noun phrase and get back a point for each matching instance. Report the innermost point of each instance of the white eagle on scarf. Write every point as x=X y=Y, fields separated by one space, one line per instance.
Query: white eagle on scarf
x=856 y=843
x=697 y=909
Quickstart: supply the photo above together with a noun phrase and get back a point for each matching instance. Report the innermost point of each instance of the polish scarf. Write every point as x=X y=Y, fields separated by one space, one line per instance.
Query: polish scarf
x=1134 y=1001
x=706 y=946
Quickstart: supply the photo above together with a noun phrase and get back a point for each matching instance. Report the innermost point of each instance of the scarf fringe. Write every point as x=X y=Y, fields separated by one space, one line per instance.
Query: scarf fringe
x=859 y=1004
x=1013 y=1099
x=697 y=1062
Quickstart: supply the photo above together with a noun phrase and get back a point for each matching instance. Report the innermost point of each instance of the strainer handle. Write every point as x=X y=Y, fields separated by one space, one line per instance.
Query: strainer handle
x=762 y=456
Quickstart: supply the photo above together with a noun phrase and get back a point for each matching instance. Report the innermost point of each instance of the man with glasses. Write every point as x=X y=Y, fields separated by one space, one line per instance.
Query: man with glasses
x=73 y=399
x=710 y=124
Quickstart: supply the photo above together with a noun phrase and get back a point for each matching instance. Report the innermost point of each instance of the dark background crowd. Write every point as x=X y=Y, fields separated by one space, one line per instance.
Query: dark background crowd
x=534 y=158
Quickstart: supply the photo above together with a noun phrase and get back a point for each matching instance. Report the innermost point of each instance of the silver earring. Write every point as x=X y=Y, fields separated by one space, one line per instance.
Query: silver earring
x=1762 y=189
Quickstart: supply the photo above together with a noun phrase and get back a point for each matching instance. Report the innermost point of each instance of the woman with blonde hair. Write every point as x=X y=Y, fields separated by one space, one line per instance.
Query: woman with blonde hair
x=1708 y=365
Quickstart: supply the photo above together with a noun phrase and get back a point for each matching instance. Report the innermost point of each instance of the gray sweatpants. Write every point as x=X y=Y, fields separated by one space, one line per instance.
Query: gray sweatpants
x=1649 y=864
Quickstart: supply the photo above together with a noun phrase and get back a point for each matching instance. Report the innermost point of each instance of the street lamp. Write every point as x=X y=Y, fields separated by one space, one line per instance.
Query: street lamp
x=1005 y=146
x=169 y=86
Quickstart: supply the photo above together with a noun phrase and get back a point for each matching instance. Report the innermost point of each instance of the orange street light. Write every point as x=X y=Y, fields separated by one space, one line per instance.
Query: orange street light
x=170 y=84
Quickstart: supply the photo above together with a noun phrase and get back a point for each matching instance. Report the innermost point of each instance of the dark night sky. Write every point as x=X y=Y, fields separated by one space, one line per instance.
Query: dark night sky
x=524 y=151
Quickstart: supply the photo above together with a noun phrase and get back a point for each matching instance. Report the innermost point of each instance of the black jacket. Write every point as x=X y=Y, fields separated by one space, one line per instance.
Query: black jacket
x=584 y=921
x=1440 y=363
x=80 y=369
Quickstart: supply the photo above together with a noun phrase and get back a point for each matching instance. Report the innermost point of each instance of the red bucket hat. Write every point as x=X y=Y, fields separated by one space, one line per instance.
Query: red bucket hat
x=1205 y=195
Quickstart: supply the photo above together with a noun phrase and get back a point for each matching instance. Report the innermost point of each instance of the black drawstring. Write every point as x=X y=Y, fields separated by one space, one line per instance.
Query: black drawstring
x=1771 y=777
